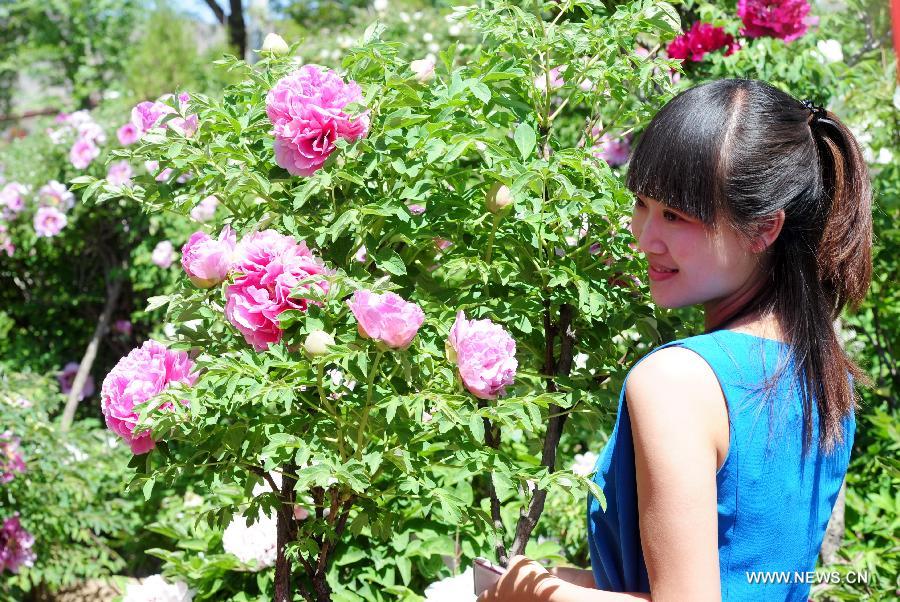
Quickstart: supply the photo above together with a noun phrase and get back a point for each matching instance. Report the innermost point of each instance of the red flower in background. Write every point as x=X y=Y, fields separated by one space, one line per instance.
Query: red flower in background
x=700 y=39
x=785 y=19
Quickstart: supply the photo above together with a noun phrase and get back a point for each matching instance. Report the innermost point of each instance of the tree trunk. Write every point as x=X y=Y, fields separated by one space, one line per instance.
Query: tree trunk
x=90 y=354
x=834 y=533
x=237 y=29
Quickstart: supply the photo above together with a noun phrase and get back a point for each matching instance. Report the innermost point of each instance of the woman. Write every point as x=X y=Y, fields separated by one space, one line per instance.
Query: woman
x=730 y=447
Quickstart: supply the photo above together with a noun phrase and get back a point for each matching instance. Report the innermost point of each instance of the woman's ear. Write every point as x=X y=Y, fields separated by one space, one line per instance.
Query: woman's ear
x=767 y=230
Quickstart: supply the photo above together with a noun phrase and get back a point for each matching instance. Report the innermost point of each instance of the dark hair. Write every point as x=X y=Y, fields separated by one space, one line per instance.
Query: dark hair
x=743 y=149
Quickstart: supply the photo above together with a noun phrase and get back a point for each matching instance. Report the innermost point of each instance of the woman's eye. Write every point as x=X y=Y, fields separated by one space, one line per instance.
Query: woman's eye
x=638 y=203
x=670 y=217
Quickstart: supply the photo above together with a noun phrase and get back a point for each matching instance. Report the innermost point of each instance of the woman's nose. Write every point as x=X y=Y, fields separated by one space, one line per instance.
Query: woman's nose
x=648 y=237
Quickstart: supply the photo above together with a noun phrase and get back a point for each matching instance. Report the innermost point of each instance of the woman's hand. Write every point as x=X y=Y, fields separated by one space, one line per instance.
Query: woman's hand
x=525 y=580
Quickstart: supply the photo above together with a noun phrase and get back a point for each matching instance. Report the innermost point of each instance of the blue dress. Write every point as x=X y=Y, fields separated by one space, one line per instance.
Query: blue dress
x=773 y=506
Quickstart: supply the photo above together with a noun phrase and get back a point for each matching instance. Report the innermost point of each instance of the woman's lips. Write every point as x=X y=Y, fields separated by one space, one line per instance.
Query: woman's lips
x=658 y=273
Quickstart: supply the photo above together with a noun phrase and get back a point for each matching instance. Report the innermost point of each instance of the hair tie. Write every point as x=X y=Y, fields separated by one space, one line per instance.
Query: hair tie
x=818 y=112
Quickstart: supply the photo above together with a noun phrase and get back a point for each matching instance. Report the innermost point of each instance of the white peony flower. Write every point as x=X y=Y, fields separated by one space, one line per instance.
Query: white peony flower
x=830 y=50
x=884 y=156
x=584 y=463
x=252 y=544
x=157 y=589
x=453 y=589
x=580 y=360
x=380 y=5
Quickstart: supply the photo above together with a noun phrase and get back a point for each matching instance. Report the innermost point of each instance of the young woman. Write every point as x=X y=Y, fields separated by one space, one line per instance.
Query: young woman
x=730 y=447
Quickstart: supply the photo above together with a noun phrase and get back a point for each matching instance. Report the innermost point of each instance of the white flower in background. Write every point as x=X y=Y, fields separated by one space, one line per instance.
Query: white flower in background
x=192 y=500
x=884 y=156
x=580 y=361
x=897 y=98
x=275 y=44
x=163 y=254
x=424 y=69
x=433 y=47
x=452 y=589
x=380 y=5
x=77 y=454
x=427 y=37
x=830 y=50
x=404 y=16
x=252 y=544
x=584 y=463
x=454 y=30
x=418 y=15
x=157 y=589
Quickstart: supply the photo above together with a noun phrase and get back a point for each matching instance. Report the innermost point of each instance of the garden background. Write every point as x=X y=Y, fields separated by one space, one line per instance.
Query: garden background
x=468 y=184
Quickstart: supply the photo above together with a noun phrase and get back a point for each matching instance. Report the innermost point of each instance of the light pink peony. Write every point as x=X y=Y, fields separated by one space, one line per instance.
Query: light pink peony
x=416 y=209
x=387 y=318
x=144 y=373
x=269 y=266
x=206 y=260
x=83 y=152
x=145 y=115
x=49 y=221
x=153 y=166
x=186 y=126
x=556 y=80
x=15 y=546
x=615 y=151
x=205 y=209
x=12 y=199
x=128 y=134
x=10 y=459
x=54 y=194
x=307 y=110
x=66 y=379
x=119 y=173
x=6 y=243
x=485 y=355
x=785 y=19
x=163 y=254
x=91 y=131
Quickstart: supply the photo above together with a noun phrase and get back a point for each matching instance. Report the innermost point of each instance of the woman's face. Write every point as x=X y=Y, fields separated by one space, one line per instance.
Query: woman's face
x=690 y=262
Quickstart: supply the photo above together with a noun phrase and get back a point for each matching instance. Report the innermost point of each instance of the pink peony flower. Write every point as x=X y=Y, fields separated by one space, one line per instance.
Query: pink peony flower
x=49 y=221
x=91 y=131
x=387 y=318
x=485 y=355
x=556 y=80
x=128 y=134
x=785 y=19
x=153 y=166
x=269 y=266
x=122 y=327
x=12 y=199
x=186 y=126
x=10 y=459
x=361 y=255
x=66 y=379
x=699 y=40
x=615 y=151
x=82 y=153
x=443 y=244
x=145 y=115
x=307 y=110
x=163 y=254
x=416 y=209
x=205 y=209
x=142 y=374
x=54 y=194
x=15 y=546
x=119 y=173
x=206 y=260
x=6 y=244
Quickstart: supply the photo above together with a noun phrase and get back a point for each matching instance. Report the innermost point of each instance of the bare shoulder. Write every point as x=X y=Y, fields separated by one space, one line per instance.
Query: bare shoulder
x=675 y=393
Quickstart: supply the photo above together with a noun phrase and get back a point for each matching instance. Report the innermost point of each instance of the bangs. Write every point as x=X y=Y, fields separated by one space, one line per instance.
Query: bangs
x=680 y=159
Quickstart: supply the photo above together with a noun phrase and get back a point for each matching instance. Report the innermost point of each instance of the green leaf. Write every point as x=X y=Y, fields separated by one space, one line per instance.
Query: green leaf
x=525 y=140
x=389 y=261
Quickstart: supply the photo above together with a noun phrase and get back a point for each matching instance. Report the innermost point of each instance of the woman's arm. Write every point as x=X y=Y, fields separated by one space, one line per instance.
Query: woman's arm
x=575 y=576
x=678 y=419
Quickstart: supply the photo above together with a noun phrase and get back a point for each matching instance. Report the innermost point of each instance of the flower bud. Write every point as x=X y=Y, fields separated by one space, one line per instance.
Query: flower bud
x=317 y=342
x=275 y=44
x=498 y=198
x=424 y=69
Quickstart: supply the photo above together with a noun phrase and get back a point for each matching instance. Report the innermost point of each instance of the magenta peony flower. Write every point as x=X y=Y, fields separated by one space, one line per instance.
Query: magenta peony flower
x=15 y=545
x=54 y=194
x=699 y=40
x=66 y=379
x=163 y=254
x=144 y=373
x=49 y=221
x=122 y=327
x=10 y=459
x=119 y=173
x=83 y=152
x=128 y=134
x=387 y=318
x=206 y=260
x=307 y=110
x=269 y=265
x=785 y=19
x=145 y=115
x=12 y=199
x=615 y=151
x=205 y=209
x=485 y=355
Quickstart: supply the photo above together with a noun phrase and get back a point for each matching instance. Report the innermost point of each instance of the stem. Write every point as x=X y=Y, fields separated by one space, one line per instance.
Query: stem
x=490 y=243
x=320 y=369
x=492 y=440
x=365 y=416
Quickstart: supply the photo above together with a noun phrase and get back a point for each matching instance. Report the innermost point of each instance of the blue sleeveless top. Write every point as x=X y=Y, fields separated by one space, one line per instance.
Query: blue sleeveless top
x=773 y=506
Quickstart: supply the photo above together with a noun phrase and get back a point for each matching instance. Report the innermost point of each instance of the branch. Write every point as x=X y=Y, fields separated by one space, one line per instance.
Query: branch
x=492 y=440
x=217 y=11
